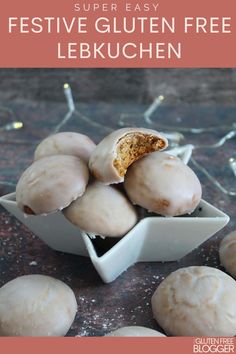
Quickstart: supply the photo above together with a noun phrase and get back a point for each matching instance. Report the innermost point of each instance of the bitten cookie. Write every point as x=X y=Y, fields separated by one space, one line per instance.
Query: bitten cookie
x=196 y=301
x=228 y=253
x=135 y=331
x=102 y=210
x=117 y=151
x=66 y=143
x=36 y=305
x=163 y=184
x=51 y=184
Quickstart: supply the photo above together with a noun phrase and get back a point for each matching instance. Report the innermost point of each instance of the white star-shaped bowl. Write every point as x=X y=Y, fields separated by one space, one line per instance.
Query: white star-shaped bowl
x=152 y=239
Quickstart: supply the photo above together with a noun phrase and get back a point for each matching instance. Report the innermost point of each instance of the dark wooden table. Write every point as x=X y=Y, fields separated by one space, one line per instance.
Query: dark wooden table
x=193 y=98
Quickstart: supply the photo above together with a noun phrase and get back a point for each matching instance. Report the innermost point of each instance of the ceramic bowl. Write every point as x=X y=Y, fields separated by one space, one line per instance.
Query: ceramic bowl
x=153 y=239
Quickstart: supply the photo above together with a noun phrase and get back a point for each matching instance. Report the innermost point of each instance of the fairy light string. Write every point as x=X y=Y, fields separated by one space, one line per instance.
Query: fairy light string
x=72 y=111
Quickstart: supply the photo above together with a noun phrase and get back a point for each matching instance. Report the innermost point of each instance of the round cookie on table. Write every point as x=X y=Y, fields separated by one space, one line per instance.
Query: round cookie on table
x=102 y=210
x=66 y=143
x=51 y=183
x=135 y=331
x=196 y=301
x=117 y=151
x=228 y=253
x=163 y=184
x=36 y=305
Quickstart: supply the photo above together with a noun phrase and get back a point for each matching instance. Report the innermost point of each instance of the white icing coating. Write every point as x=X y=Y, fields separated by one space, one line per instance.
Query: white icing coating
x=228 y=253
x=102 y=210
x=36 y=305
x=135 y=331
x=51 y=184
x=163 y=184
x=102 y=158
x=66 y=143
x=196 y=301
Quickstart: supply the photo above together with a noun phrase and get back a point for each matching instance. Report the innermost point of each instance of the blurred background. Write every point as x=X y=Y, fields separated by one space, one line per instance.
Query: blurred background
x=186 y=86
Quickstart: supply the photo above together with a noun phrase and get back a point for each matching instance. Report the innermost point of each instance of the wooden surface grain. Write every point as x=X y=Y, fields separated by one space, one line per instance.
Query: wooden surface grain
x=193 y=98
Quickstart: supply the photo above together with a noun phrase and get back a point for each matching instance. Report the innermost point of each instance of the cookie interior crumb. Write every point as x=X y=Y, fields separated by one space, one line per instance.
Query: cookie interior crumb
x=132 y=147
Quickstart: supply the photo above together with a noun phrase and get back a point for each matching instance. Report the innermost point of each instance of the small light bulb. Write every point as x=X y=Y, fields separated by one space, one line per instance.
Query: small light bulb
x=17 y=125
x=232 y=163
